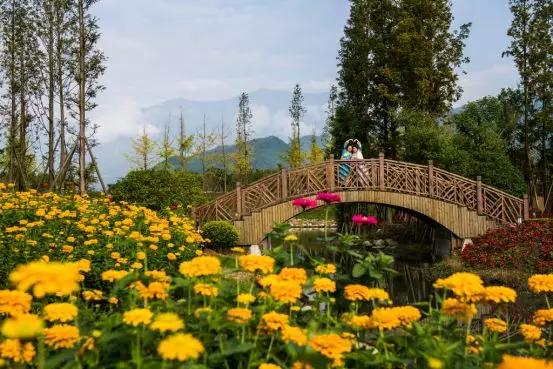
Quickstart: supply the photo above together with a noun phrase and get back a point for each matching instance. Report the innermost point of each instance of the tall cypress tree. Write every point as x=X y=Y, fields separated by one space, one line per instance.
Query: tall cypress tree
x=428 y=54
x=243 y=155
x=395 y=55
x=296 y=111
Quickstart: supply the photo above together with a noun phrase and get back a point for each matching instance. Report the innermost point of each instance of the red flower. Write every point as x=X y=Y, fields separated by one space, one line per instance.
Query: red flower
x=328 y=197
x=360 y=219
x=304 y=203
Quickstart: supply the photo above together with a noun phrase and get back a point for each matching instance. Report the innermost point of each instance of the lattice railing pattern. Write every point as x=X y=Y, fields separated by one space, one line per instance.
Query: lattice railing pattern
x=370 y=174
x=263 y=193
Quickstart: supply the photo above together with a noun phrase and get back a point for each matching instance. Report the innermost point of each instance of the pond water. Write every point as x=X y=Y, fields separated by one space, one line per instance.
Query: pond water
x=412 y=260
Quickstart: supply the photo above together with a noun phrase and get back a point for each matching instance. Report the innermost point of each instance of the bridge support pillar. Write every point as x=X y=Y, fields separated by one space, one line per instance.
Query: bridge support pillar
x=479 y=197
x=431 y=178
x=381 y=172
x=330 y=174
x=526 y=207
x=239 y=208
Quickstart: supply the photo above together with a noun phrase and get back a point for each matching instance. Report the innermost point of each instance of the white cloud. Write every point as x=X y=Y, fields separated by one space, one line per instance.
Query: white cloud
x=488 y=81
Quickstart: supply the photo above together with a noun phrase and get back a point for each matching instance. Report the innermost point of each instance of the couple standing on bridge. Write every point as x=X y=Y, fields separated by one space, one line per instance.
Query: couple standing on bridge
x=352 y=151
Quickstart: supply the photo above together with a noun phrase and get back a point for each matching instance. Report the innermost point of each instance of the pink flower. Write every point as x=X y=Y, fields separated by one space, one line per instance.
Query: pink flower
x=304 y=203
x=328 y=197
x=361 y=219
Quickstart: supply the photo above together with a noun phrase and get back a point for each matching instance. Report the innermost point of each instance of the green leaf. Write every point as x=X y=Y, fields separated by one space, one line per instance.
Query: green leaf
x=358 y=270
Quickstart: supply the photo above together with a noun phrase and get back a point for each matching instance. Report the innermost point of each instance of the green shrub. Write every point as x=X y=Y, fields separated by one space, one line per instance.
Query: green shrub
x=158 y=189
x=221 y=234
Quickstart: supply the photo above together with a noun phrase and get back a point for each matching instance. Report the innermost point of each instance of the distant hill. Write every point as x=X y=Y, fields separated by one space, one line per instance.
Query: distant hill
x=267 y=152
x=270 y=118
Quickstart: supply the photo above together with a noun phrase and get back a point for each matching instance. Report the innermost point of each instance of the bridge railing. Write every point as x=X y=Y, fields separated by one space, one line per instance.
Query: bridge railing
x=377 y=174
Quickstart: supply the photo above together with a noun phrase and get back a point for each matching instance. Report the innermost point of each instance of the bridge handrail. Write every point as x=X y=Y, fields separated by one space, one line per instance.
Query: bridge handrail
x=372 y=174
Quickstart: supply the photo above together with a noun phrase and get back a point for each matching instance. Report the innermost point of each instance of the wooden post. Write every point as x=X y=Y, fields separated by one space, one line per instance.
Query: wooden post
x=284 y=183
x=526 y=207
x=431 y=178
x=238 y=201
x=479 y=197
x=330 y=174
x=381 y=179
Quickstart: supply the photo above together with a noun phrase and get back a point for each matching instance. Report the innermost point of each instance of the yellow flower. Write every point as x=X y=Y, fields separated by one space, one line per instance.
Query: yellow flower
x=359 y=321
x=181 y=347
x=357 y=292
x=520 y=362
x=114 y=275
x=135 y=317
x=23 y=326
x=285 y=291
x=154 y=290
x=239 y=315
x=171 y=256
x=202 y=311
x=390 y=318
x=530 y=332
x=113 y=300
x=60 y=312
x=458 y=309
x=467 y=287
x=543 y=316
x=297 y=275
x=495 y=325
x=274 y=321
x=61 y=336
x=434 y=363
x=205 y=289
x=331 y=346
x=295 y=335
x=141 y=255
x=245 y=298
x=291 y=238
x=201 y=266
x=325 y=269
x=47 y=278
x=14 y=350
x=324 y=285
x=14 y=303
x=499 y=294
x=167 y=322
x=253 y=263
x=539 y=283
x=238 y=250
x=268 y=366
x=268 y=280
x=93 y=295
x=301 y=365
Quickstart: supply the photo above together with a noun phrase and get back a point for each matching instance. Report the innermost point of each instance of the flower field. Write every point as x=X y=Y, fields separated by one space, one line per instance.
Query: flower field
x=88 y=283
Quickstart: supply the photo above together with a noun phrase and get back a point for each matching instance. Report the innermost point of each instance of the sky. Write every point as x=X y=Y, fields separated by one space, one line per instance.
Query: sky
x=213 y=49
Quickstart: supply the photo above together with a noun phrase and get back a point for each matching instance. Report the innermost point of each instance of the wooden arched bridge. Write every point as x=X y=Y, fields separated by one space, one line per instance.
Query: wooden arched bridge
x=465 y=207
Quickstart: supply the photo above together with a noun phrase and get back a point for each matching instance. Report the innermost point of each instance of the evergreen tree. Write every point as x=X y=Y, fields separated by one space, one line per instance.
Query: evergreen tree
x=20 y=63
x=394 y=55
x=316 y=154
x=243 y=155
x=144 y=151
x=186 y=146
x=87 y=67
x=166 y=149
x=428 y=54
x=367 y=80
x=296 y=111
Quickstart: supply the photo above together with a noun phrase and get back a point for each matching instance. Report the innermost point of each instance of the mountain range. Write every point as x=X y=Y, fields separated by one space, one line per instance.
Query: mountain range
x=267 y=153
x=270 y=123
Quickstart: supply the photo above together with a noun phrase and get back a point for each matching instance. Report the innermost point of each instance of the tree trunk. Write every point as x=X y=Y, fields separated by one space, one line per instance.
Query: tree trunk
x=61 y=93
x=13 y=104
x=82 y=101
x=51 y=88
x=22 y=144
